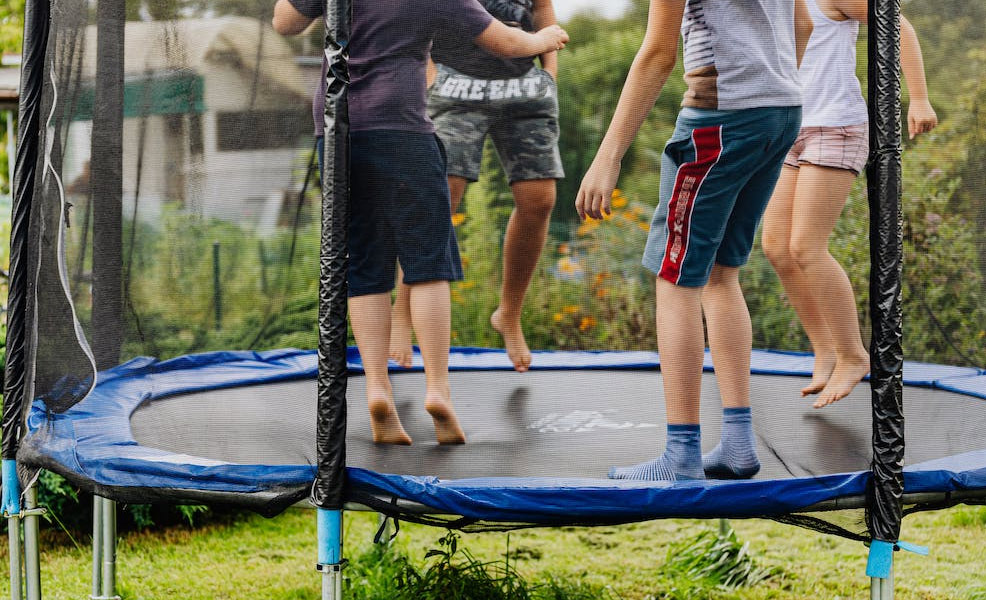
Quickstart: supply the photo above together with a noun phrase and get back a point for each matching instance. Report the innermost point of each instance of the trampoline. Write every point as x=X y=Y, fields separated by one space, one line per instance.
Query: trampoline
x=236 y=427
x=163 y=207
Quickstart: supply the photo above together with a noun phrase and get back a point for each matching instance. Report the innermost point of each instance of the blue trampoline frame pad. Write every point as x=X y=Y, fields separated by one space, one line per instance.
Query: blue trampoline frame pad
x=93 y=439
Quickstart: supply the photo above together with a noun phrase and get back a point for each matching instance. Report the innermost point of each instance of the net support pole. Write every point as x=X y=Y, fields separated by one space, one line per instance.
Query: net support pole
x=15 y=562
x=107 y=188
x=328 y=490
x=883 y=174
x=97 y=546
x=32 y=546
x=108 y=550
x=330 y=561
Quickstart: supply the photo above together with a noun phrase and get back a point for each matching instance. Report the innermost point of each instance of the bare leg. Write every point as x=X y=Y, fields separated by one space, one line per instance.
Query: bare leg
x=681 y=343
x=522 y=245
x=401 y=350
x=819 y=199
x=777 y=225
x=730 y=335
x=401 y=332
x=370 y=317
x=431 y=315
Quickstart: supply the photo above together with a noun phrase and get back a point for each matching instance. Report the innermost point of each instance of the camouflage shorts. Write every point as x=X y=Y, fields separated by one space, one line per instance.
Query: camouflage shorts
x=519 y=114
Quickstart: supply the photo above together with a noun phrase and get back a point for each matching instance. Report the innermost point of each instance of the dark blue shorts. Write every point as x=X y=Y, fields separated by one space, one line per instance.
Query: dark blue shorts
x=718 y=171
x=399 y=211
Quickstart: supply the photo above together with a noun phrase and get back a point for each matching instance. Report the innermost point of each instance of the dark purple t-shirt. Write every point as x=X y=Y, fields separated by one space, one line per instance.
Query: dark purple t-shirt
x=463 y=55
x=388 y=54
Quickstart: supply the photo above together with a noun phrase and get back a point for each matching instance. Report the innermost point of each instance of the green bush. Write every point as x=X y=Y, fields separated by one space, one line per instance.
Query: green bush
x=454 y=574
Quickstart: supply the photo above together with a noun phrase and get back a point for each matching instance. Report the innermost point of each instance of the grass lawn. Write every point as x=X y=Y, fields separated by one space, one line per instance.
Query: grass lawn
x=252 y=557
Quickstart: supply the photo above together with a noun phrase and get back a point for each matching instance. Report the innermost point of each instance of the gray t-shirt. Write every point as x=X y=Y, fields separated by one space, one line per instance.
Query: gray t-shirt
x=452 y=49
x=388 y=55
x=740 y=54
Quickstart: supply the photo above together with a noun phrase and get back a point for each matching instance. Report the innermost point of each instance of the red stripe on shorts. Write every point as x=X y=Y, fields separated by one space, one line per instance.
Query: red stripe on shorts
x=707 y=142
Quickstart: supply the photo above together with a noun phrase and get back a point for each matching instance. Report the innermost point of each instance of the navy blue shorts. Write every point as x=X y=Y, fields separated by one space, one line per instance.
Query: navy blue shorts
x=399 y=211
x=718 y=171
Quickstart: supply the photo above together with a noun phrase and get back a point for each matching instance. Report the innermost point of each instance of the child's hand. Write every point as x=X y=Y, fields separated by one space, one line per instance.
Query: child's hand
x=921 y=118
x=596 y=190
x=553 y=37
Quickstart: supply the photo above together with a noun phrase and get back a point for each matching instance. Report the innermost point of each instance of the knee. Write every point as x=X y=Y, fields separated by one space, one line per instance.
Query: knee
x=806 y=256
x=778 y=253
x=535 y=199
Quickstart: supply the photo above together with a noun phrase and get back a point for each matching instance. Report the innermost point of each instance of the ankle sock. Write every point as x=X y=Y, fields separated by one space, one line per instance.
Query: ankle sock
x=736 y=455
x=682 y=458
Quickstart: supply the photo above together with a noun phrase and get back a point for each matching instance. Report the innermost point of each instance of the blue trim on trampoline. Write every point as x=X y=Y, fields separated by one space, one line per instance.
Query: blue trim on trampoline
x=329 y=531
x=881 y=559
x=11 y=489
x=94 y=439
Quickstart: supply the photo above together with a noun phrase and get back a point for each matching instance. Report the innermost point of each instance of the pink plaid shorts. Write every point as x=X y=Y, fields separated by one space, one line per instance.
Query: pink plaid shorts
x=837 y=147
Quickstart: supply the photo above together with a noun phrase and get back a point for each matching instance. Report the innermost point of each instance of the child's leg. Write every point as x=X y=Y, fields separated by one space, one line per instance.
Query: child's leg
x=731 y=342
x=526 y=233
x=400 y=327
x=401 y=350
x=370 y=318
x=820 y=197
x=681 y=342
x=431 y=316
x=777 y=223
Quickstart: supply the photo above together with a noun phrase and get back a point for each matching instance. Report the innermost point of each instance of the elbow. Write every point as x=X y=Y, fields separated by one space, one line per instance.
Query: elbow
x=657 y=62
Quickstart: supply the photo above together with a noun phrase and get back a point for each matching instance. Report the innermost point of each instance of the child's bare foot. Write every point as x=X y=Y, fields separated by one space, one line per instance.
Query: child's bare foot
x=513 y=338
x=821 y=372
x=447 y=429
x=847 y=374
x=400 y=350
x=385 y=422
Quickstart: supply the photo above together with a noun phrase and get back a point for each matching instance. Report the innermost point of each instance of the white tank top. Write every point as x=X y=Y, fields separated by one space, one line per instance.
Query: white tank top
x=832 y=94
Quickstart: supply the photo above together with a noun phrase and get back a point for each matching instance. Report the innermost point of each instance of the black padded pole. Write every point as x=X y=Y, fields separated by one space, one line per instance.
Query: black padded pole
x=107 y=185
x=36 y=19
x=327 y=492
x=883 y=176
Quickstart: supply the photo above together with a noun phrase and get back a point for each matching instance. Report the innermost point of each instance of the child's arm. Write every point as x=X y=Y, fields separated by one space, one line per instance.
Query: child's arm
x=288 y=20
x=648 y=73
x=544 y=15
x=511 y=42
x=803 y=27
x=921 y=116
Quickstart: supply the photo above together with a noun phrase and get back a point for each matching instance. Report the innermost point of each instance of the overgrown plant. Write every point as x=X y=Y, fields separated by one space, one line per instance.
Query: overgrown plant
x=715 y=560
x=455 y=574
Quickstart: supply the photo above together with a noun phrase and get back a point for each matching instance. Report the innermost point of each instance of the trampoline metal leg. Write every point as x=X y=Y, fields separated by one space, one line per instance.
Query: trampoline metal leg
x=109 y=549
x=16 y=567
x=32 y=546
x=330 y=561
x=103 y=549
x=97 y=546
x=882 y=588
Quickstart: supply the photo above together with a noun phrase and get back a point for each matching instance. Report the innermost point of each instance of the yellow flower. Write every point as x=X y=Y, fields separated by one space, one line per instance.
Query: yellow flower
x=602 y=293
x=644 y=226
x=465 y=285
x=587 y=323
x=564 y=249
x=557 y=317
x=458 y=219
x=588 y=226
x=571 y=309
x=567 y=266
x=618 y=200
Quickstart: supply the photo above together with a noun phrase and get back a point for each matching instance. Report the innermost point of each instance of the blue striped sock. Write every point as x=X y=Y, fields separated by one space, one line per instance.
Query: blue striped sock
x=736 y=455
x=682 y=458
